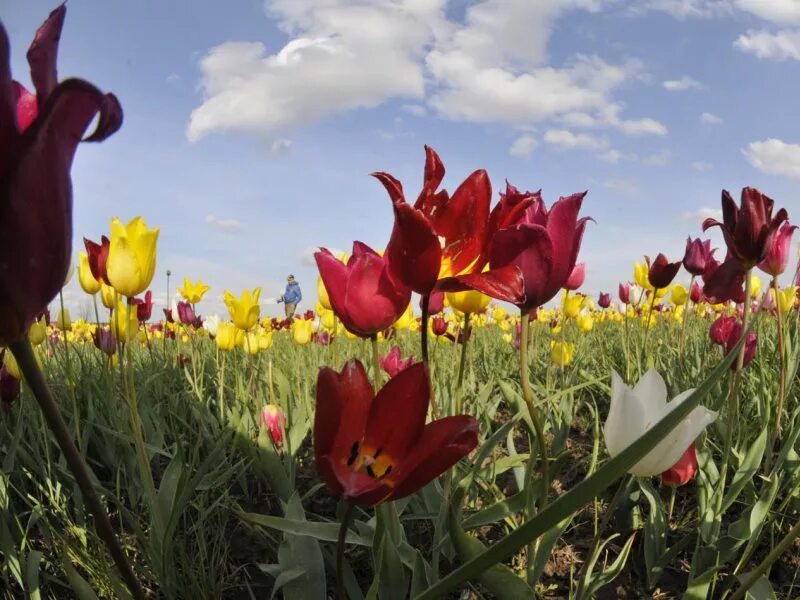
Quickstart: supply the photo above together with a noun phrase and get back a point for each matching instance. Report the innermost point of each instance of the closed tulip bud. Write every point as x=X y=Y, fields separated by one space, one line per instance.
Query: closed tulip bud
x=250 y=343
x=10 y=364
x=302 y=331
x=245 y=311
x=468 y=302
x=97 y=258
x=436 y=302
x=679 y=295
x=697 y=255
x=755 y=286
x=107 y=296
x=125 y=322
x=273 y=420
x=89 y=284
x=696 y=293
x=393 y=363
x=38 y=332
x=604 y=300
x=661 y=272
x=322 y=294
x=576 y=277
x=186 y=313
x=63 y=320
x=640 y=275
x=193 y=292
x=625 y=293
x=264 y=340
x=105 y=341
x=227 y=334
x=683 y=471
x=211 y=324
x=561 y=353
x=131 y=256
x=438 y=326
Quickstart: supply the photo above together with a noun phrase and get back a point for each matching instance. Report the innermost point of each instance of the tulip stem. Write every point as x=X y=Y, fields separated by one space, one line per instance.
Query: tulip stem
x=761 y=569
x=776 y=431
x=686 y=313
x=461 y=367
x=348 y=514
x=23 y=352
x=647 y=326
x=376 y=362
x=423 y=330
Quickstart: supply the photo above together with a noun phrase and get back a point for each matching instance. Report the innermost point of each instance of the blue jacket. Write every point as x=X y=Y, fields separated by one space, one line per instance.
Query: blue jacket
x=292 y=295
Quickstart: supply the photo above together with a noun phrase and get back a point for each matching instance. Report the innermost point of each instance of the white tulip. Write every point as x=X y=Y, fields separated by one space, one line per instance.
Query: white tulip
x=211 y=323
x=634 y=411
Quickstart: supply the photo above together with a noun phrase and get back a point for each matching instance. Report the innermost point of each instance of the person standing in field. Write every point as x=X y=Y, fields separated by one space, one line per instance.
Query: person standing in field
x=291 y=296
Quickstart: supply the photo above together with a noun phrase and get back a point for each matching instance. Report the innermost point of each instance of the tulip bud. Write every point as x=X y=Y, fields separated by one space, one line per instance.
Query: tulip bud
x=63 y=321
x=435 y=303
x=144 y=308
x=576 y=277
x=131 y=256
x=561 y=353
x=438 y=326
x=683 y=471
x=625 y=293
x=697 y=256
x=604 y=300
x=777 y=257
x=679 y=295
x=186 y=313
x=105 y=341
x=661 y=272
x=696 y=293
x=274 y=421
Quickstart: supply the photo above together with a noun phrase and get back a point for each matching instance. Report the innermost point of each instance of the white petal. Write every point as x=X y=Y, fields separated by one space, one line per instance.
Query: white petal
x=626 y=417
x=652 y=391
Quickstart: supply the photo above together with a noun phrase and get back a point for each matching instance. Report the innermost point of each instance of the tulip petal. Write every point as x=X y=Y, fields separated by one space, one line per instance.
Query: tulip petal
x=43 y=54
x=443 y=443
x=726 y=282
x=392 y=185
x=529 y=248
x=334 y=278
x=503 y=283
x=8 y=109
x=627 y=418
x=428 y=200
x=413 y=253
x=27 y=108
x=372 y=299
x=651 y=392
x=565 y=235
x=397 y=415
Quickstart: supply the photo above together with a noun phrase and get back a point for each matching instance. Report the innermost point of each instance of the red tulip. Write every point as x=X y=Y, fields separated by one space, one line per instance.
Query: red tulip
x=441 y=235
x=624 y=293
x=683 y=471
x=363 y=293
x=604 y=300
x=273 y=419
x=438 y=326
x=723 y=282
x=661 y=272
x=374 y=448
x=392 y=363
x=168 y=316
x=435 y=302
x=323 y=338
x=726 y=331
x=38 y=139
x=697 y=255
x=98 y=256
x=778 y=253
x=186 y=313
x=720 y=329
x=144 y=308
x=576 y=278
x=543 y=246
x=750 y=228
x=696 y=293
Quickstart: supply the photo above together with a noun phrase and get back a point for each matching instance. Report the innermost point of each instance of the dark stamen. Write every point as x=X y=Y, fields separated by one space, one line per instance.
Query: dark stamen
x=353 y=454
x=377 y=453
x=370 y=472
x=386 y=472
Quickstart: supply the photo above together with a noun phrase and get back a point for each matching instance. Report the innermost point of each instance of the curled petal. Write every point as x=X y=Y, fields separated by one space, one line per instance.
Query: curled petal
x=503 y=283
x=43 y=54
x=392 y=185
x=413 y=254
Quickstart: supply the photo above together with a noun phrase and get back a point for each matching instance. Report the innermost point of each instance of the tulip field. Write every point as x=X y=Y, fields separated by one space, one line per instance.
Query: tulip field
x=456 y=417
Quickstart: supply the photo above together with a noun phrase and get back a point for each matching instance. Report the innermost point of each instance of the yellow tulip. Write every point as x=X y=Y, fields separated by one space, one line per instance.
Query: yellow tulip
x=640 y=271
x=246 y=310
x=498 y=313
x=107 y=295
x=755 y=286
x=131 y=256
x=264 y=340
x=405 y=319
x=193 y=292
x=63 y=320
x=508 y=338
x=561 y=353
x=124 y=322
x=250 y=344
x=468 y=302
x=11 y=365
x=785 y=299
x=504 y=325
x=38 y=332
x=328 y=319
x=302 y=331
x=89 y=284
x=322 y=294
x=572 y=304
x=679 y=295
x=227 y=334
x=585 y=322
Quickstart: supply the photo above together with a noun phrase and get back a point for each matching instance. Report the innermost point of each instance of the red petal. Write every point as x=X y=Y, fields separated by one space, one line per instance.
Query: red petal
x=562 y=227
x=529 y=248
x=373 y=300
x=443 y=443
x=392 y=185
x=726 y=282
x=428 y=199
x=43 y=54
x=8 y=108
x=413 y=254
x=397 y=415
x=27 y=109
x=503 y=283
x=334 y=276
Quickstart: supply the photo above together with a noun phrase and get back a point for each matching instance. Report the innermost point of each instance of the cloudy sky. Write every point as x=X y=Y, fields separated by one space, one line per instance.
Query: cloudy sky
x=251 y=126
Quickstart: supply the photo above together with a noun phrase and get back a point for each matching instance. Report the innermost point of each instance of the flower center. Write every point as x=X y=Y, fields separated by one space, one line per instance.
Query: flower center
x=372 y=461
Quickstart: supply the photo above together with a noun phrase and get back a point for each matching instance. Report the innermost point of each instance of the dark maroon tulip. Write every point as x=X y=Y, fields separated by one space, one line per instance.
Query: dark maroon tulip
x=698 y=252
x=438 y=326
x=9 y=388
x=778 y=254
x=104 y=340
x=576 y=278
x=363 y=293
x=393 y=362
x=323 y=338
x=98 y=257
x=544 y=247
x=661 y=272
x=624 y=293
x=144 y=307
x=696 y=293
x=748 y=229
x=186 y=313
x=38 y=139
x=725 y=282
x=168 y=316
x=604 y=300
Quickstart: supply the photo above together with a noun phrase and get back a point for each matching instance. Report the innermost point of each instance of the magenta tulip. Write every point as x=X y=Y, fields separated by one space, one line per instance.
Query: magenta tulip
x=777 y=257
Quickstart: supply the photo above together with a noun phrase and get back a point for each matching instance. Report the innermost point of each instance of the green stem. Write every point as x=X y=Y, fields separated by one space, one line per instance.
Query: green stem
x=423 y=329
x=776 y=432
x=761 y=569
x=686 y=313
x=33 y=376
x=376 y=363
x=461 y=367
x=647 y=326
x=348 y=514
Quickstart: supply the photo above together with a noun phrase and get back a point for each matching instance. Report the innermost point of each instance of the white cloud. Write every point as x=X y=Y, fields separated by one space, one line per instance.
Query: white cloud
x=773 y=46
x=416 y=110
x=682 y=84
x=774 y=157
x=523 y=146
x=701 y=214
x=564 y=138
x=777 y=11
x=702 y=166
x=684 y=9
x=626 y=187
x=224 y=225
x=307 y=256
x=660 y=159
x=708 y=118
x=281 y=146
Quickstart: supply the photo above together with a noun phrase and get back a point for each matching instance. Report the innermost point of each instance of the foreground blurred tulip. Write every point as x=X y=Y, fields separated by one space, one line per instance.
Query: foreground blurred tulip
x=697 y=255
x=393 y=363
x=661 y=272
x=107 y=295
x=683 y=471
x=373 y=448
x=274 y=421
x=679 y=295
x=38 y=138
x=105 y=341
x=774 y=263
x=245 y=311
x=226 y=337
x=576 y=278
x=38 y=332
x=131 y=256
x=468 y=302
x=193 y=292
x=9 y=389
x=97 y=258
x=89 y=284
x=748 y=229
x=363 y=293
x=634 y=411
x=10 y=364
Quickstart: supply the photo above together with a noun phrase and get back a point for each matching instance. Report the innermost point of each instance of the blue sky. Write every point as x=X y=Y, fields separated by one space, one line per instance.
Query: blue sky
x=251 y=126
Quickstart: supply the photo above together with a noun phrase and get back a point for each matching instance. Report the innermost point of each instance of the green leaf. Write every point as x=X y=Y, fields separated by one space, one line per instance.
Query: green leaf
x=326 y=532
x=747 y=469
x=78 y=584
x=760 y=590
x=32 y=575
x=655 y=533
x=301 y=552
